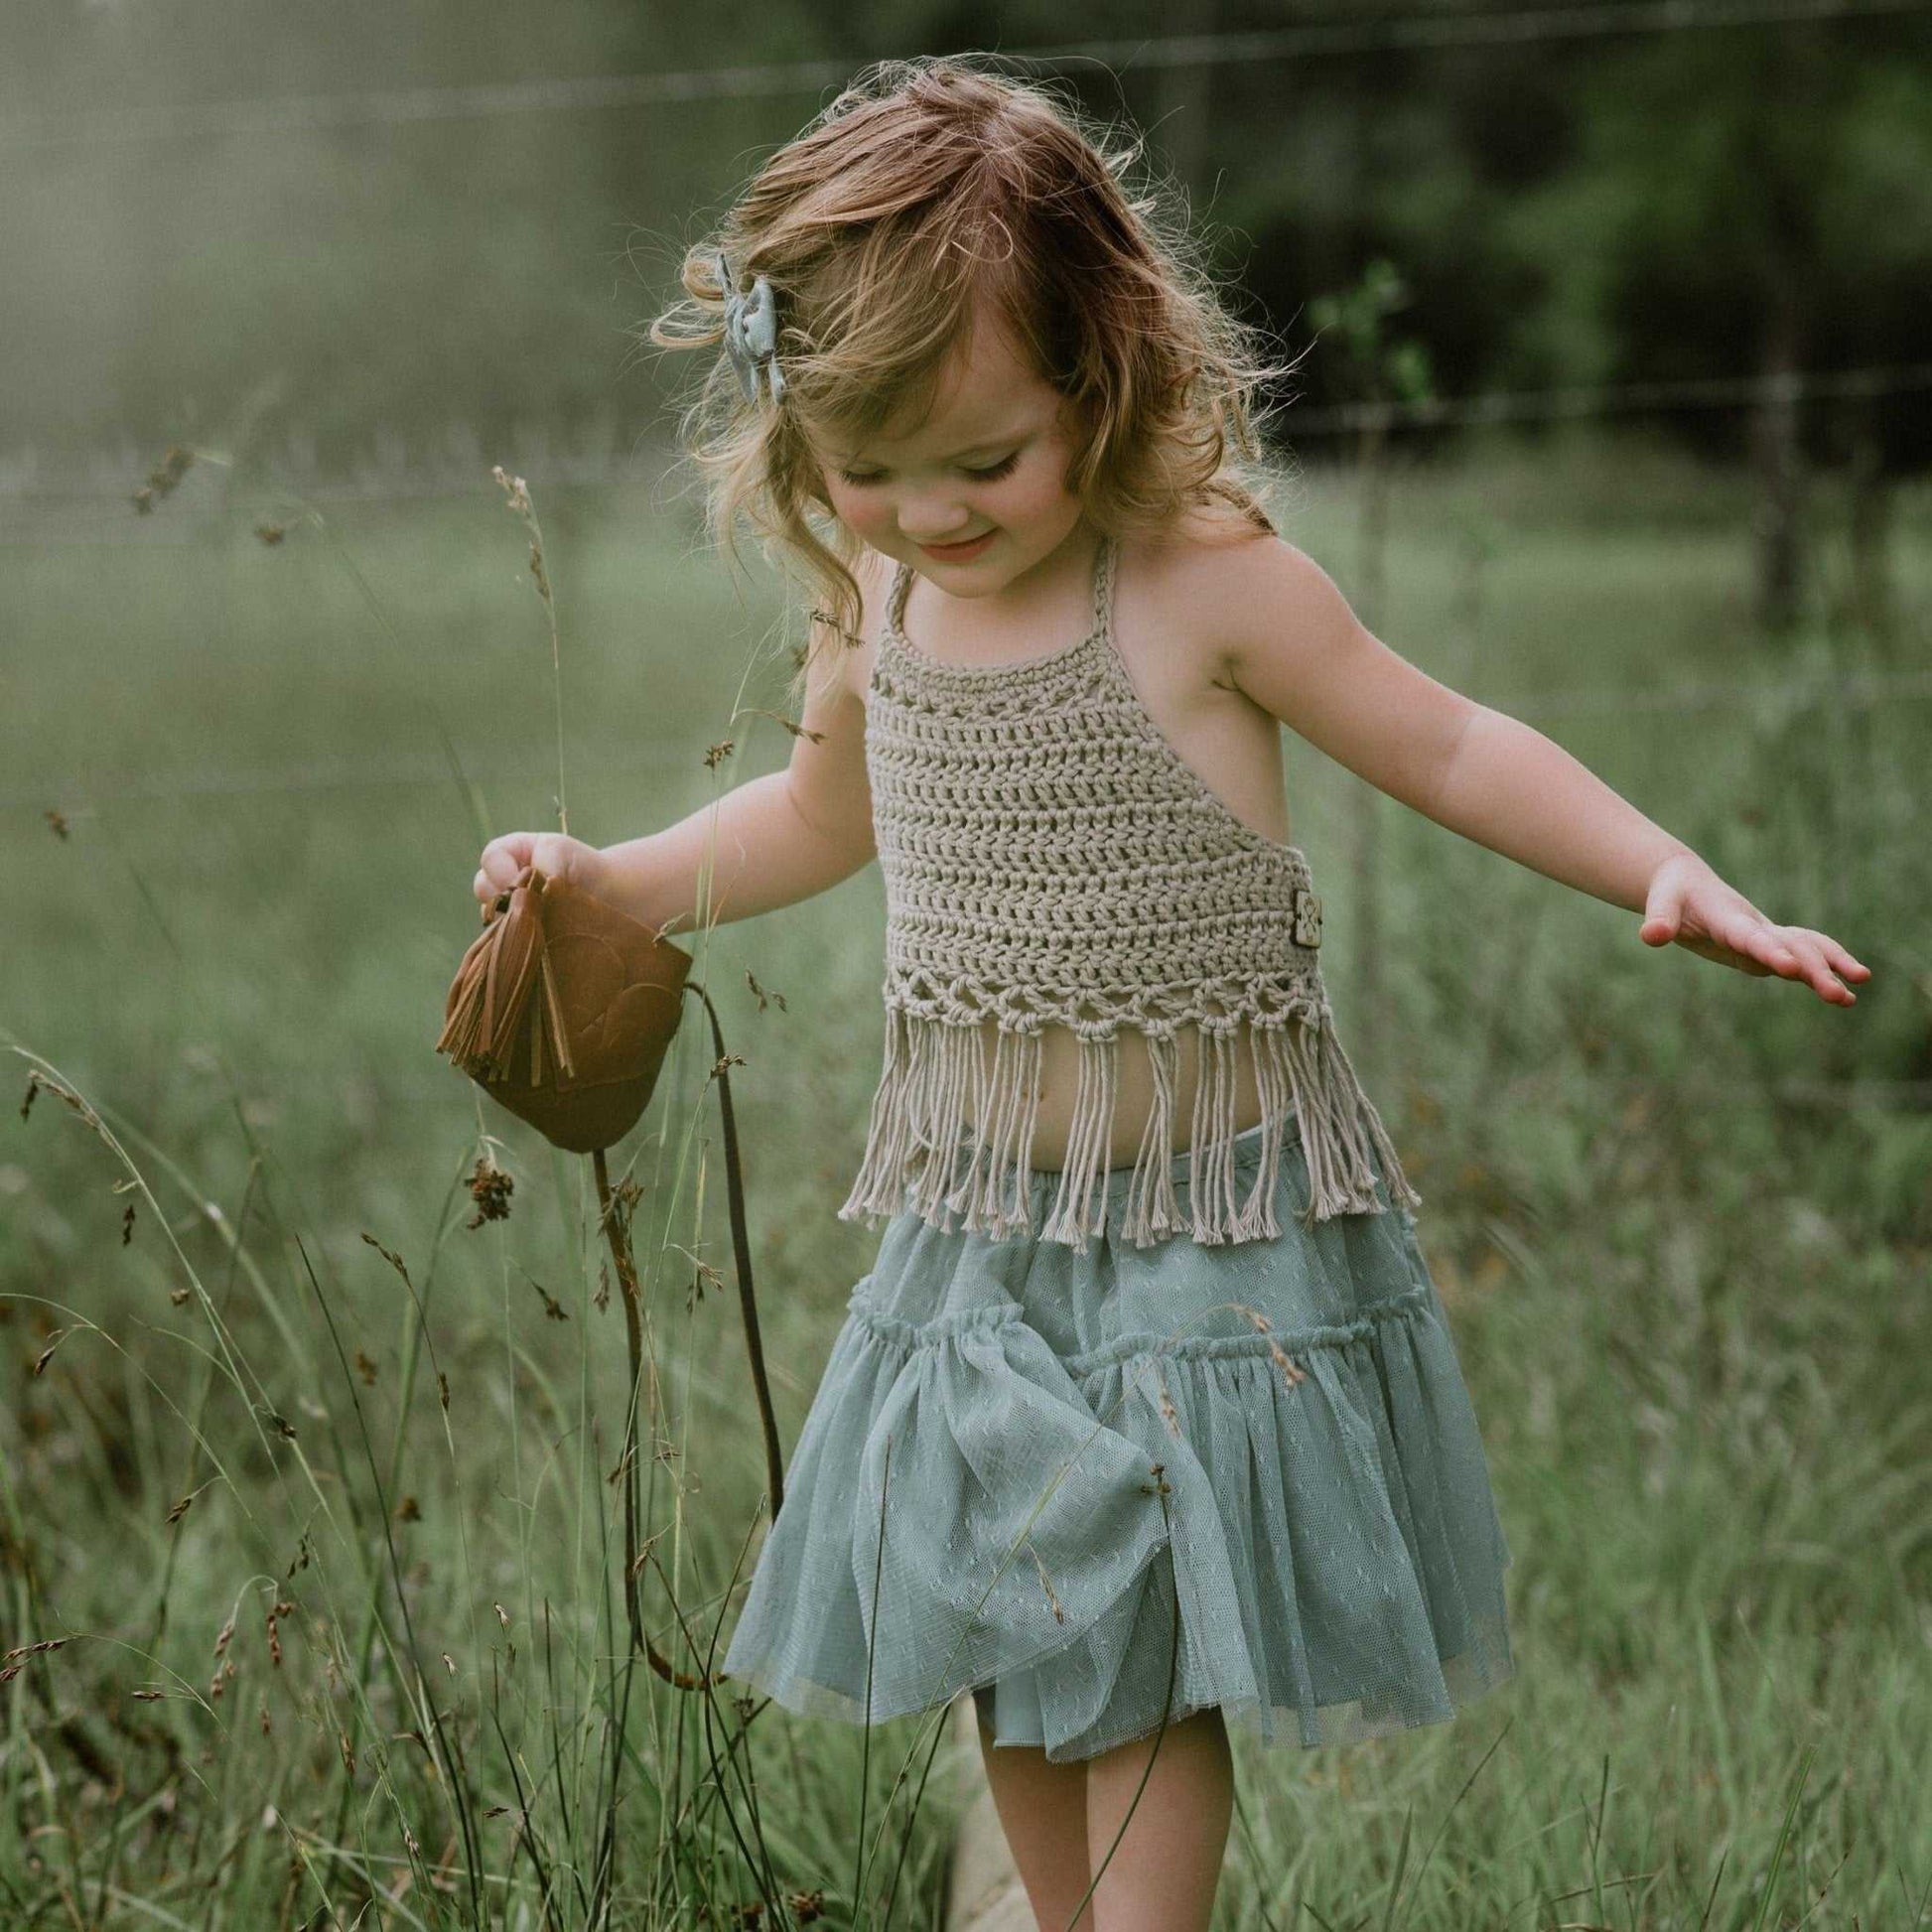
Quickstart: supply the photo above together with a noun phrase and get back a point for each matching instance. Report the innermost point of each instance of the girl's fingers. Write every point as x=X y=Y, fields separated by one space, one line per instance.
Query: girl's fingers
x=1754 y=938
x=1789 y=951
x=1837 y=958
x=1816 y=965
x=1745 y=940
x=1797 y=951
x=1761 y=949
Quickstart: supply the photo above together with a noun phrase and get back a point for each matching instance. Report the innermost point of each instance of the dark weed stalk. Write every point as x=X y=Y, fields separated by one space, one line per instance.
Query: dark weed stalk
x=417 y=1330
x=912 y=1812
x=188 y=1487
x=456 y=1783
x=871 y=1643
x=762 y=1863
x=614 y=1219
x=523 y=1835
x=745 y=1708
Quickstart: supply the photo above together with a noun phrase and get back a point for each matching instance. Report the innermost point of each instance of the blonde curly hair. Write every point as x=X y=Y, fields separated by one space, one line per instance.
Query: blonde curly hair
x=925 y=185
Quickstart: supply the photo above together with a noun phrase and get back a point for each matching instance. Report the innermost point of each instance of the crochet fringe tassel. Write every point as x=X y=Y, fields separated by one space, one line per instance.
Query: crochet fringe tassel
x=919 y=1131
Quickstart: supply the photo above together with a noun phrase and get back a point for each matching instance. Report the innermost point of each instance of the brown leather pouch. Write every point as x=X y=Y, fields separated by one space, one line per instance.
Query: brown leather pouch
x=563 y=1009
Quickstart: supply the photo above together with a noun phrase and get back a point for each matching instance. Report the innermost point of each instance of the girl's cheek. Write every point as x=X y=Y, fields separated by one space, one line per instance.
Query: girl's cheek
x=1030 y=517
x=867 y=522
x=1044 y=494
x=861 y=510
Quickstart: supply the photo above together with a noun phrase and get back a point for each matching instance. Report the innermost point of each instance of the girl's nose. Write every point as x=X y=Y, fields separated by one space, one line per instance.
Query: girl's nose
x=933 y=520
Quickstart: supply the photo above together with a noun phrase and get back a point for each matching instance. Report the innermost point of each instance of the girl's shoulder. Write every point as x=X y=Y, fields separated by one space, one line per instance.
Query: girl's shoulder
x=1207 y=539
x=1211 y=558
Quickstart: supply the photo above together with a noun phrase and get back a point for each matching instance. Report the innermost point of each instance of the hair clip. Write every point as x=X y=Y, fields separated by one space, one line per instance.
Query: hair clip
x=751 y=333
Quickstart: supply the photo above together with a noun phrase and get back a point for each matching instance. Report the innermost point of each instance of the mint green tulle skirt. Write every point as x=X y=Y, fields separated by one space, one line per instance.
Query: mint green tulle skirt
x=1100 y=1489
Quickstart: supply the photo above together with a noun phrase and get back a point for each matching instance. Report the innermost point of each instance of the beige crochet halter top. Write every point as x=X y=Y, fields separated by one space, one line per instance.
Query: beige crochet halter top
x=1050 y=859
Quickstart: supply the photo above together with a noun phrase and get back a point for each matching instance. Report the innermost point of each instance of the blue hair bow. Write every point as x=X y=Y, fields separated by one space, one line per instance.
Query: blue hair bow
x=751 y=333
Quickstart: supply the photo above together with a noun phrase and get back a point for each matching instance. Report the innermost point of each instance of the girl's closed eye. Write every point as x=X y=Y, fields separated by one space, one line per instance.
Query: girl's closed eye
x=1003 y=468
x=992 y=474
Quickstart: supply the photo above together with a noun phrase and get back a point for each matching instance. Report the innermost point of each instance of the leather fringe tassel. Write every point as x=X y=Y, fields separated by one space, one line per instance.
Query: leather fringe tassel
x=493 y=989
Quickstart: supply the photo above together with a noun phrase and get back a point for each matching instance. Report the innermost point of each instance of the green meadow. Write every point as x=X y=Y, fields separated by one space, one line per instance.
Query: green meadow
x=325 y=1539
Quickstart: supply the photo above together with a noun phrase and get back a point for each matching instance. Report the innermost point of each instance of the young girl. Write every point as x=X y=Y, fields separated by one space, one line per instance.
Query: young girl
x=1147 y=1414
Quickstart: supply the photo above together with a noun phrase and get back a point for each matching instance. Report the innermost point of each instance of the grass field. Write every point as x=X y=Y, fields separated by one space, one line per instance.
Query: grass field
x=1680 y=1216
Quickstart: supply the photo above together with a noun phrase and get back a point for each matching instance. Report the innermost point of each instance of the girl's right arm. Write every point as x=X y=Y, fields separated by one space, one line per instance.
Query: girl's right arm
x=768 y=842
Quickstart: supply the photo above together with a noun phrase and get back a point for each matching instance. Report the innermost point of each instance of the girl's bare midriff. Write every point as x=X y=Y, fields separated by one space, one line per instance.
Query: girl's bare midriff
x=1132 y=1091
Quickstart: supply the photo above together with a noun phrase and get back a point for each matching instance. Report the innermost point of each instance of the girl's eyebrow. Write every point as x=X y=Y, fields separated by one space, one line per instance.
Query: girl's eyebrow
x=971 y=448
x=992 y=442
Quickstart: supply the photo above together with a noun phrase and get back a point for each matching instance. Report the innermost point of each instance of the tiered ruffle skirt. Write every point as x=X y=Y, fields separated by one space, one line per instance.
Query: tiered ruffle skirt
x=1099 y=1488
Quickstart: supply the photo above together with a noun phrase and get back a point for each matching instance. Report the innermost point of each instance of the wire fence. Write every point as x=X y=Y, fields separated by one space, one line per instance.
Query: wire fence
x=1852 y=691
x=105 y=514
x=49 y=500
x=277 y=116
x=1770 y=388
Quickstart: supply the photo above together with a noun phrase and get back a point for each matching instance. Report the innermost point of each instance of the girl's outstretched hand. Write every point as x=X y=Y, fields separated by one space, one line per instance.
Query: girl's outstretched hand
x=554 y=854
x=1688 y=903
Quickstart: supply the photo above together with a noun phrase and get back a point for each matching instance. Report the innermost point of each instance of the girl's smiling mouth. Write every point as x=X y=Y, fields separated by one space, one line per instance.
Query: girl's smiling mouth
x=958 y=553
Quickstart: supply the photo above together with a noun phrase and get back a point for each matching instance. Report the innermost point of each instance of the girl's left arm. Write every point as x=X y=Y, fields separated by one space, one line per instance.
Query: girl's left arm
x=1292 y=643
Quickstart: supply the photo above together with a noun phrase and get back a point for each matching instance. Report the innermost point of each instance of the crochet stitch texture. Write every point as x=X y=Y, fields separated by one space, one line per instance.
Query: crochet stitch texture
x=1050 y=859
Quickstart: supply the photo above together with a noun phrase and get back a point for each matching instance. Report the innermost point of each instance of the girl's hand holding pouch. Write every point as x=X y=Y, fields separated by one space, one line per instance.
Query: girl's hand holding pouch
x=554 y=854
x=563 y=1006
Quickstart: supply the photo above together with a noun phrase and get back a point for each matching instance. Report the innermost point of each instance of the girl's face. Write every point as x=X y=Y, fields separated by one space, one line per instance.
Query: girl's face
x=984 y=474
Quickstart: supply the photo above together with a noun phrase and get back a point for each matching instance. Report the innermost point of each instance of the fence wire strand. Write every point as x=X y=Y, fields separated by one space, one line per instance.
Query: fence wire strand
x=138 y=122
